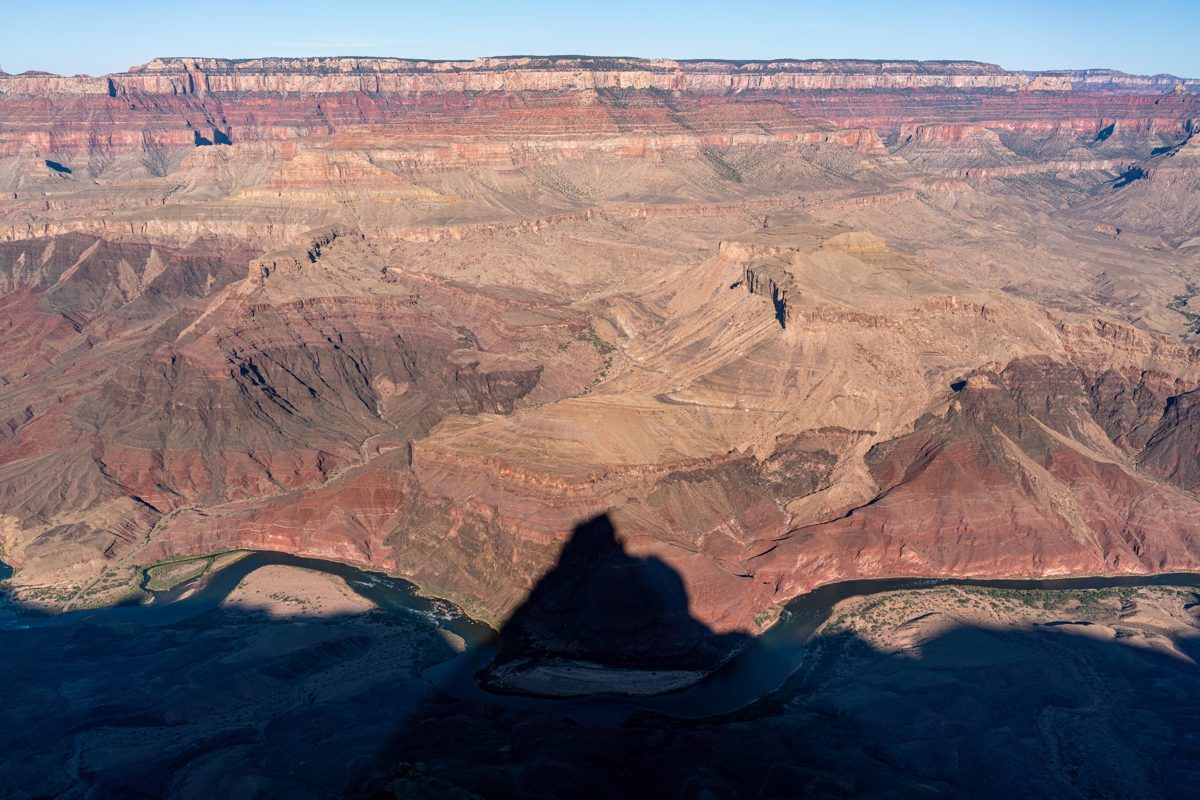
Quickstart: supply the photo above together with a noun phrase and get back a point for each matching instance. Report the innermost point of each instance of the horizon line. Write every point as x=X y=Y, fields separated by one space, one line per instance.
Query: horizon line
x=584 y=57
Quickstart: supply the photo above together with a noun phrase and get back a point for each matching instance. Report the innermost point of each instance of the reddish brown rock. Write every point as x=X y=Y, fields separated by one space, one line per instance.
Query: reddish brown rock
x=780 y=323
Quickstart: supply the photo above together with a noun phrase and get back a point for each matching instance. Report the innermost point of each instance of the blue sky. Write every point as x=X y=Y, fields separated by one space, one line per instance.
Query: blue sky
x=74 y=36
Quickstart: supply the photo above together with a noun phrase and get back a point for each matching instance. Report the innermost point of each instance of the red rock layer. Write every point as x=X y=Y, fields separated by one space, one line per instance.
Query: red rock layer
x=185 y=102
x=431 y=316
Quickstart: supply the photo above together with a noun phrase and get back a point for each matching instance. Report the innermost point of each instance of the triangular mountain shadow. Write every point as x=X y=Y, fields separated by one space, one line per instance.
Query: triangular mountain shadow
x=601 y=605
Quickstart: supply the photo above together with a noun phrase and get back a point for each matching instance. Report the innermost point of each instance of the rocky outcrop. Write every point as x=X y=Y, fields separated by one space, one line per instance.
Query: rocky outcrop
x=1173 y=450
x=772 y=268
x=1015 y=452
x=773 y=282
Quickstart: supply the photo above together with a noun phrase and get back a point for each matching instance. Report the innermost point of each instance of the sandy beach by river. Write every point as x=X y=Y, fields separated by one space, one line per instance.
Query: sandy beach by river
x=282 y=591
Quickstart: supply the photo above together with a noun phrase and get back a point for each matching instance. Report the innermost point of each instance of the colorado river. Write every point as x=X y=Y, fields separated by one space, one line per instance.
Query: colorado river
x=758 y=670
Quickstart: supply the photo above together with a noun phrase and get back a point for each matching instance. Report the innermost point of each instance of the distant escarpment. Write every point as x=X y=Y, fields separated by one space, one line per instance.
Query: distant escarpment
x=191 y=102
x=190 y=76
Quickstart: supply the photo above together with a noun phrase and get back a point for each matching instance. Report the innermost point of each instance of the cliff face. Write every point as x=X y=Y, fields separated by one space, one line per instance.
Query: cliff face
x=285 y=142
x=783 y=323
x=199 y=76
x=187 y=101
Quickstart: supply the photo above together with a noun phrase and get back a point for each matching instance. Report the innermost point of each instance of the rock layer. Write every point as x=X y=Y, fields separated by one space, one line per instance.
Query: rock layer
x=783 y=323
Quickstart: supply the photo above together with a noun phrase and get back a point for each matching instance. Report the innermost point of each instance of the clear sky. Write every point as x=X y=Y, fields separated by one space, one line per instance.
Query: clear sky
x=78 y=36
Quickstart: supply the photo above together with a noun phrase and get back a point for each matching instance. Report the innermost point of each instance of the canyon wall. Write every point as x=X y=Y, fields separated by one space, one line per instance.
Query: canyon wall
x=184 y=102
x=783 y=323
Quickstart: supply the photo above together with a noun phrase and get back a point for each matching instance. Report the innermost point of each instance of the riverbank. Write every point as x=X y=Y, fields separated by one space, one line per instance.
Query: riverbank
x=1154 y=618
x=759 y=669
x=196 y=697
x=166 y=575
x=896 y=657
x=930 y=692
x=282 y=591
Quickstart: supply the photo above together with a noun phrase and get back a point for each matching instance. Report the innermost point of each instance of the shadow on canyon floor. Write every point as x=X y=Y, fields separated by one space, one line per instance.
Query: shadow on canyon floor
x=193 y=698
x=1042 y=711
x=599 y=604
x=241 y=704
x=222 y=704
x=979 y=712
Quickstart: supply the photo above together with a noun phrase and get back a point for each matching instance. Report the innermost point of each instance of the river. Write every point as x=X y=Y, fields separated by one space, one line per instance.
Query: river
x=755 y=672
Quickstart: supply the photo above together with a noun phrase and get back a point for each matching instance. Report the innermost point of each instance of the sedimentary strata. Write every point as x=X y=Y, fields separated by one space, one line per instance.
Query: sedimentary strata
x=785 y=323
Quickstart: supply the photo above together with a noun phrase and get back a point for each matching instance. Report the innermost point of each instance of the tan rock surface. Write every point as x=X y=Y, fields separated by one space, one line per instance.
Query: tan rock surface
x=781 y=329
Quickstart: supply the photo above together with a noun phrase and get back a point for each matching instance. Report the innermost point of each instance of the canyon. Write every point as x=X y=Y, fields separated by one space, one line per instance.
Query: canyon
x=783 y=323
